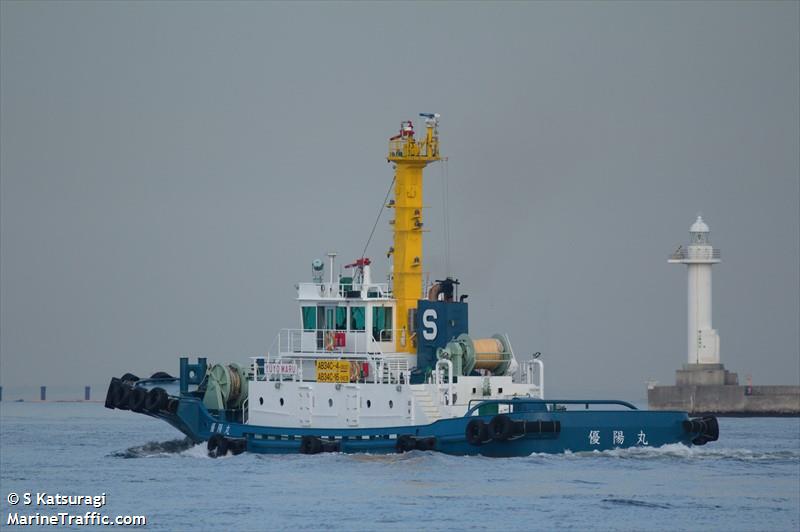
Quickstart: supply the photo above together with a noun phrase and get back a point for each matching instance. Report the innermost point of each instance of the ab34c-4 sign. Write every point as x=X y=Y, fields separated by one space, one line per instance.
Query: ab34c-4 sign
x=333 y=371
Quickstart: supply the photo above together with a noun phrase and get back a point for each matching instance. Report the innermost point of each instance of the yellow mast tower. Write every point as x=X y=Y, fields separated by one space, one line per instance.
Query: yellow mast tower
x=410 y=157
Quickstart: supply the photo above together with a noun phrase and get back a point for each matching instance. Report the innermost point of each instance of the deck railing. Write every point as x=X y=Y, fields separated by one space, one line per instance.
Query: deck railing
x=323 y=342
x=690 y=253
x=539 y=371
x=553 y=404
x=343 y=290
x=293 y=348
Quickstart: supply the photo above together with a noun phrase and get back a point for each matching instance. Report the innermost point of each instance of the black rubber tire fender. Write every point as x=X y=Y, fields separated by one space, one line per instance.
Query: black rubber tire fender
x=129 y=377
x=136 y=399
x=213 y=444
x=426 y=444
x=172 y=405
x=156 y=400
x=310 y=445
x=331 y=446
x=161 y=375
x=712 y=428
x=238 y=447
x=111 y=394
x=501 y=427
x=405 y=443
x=122 y=397
x=476 y=432
x=223 y=447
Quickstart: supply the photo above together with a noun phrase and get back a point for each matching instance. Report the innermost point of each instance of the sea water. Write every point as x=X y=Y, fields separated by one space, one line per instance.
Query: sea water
x=748 y=480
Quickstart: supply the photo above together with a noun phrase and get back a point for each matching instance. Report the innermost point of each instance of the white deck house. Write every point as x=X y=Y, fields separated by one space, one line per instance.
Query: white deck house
x=352 y=322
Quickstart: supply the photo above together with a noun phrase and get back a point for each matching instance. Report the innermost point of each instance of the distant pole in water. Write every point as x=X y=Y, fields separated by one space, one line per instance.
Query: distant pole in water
x=43 y=393
x=1 y=394
x=87 y=393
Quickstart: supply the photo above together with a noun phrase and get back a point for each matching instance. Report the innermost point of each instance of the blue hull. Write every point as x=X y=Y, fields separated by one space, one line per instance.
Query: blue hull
x=530 y=426
x=570 y=431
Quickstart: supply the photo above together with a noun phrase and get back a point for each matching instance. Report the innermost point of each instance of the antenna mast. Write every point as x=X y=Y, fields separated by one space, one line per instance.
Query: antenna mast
x=410 y=156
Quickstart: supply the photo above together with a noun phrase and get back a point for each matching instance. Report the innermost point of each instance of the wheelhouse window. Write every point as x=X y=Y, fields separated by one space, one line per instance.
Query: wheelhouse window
x=357 y=319
x=341 y=318
x=309 y=318
x=382 y=324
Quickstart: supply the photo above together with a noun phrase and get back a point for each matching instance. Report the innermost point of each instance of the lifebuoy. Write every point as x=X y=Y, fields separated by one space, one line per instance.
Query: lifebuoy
x=330 y=341
x=355 y=371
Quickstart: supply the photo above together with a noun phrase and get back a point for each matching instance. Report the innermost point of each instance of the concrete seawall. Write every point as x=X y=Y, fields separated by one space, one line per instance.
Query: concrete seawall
x=730 y=400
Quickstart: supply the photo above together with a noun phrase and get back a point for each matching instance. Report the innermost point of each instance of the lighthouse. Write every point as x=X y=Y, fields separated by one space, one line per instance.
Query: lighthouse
x=699 y=256
x=704 y=386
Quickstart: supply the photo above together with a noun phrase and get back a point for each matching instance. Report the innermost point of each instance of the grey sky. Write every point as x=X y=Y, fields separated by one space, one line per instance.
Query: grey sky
x=169 y=170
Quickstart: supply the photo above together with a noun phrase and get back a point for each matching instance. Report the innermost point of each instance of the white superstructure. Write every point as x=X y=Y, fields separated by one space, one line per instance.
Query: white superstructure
x=348 y=329
x=699 y=256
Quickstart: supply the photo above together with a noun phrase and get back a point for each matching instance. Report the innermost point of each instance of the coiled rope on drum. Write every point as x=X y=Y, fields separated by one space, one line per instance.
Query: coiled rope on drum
x=236 y=385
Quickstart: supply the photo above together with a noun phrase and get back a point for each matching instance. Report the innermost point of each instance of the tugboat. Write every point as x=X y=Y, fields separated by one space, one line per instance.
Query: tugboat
x=391 y=367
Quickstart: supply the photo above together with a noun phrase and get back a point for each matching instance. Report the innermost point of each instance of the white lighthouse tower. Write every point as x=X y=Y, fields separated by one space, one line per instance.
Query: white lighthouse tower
x=704 y=386
x=699 y=256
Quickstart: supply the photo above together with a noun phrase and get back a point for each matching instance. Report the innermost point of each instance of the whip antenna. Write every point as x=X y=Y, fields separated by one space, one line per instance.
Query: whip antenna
x=383 y=206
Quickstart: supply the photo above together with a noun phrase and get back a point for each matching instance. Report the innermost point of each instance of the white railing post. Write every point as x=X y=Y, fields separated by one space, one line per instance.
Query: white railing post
x=439 y=379
x=541 y=377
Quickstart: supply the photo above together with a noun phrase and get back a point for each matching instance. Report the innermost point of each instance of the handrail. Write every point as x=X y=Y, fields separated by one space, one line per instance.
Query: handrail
x=391 y=367
x=529 y=375
x=339 y=290
x=519 y=401
x=400 y=336
x=695 y=253
x=323 y=342
x=440 y=380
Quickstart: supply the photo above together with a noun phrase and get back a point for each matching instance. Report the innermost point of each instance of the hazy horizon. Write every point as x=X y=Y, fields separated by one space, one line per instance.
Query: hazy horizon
x=168 y=171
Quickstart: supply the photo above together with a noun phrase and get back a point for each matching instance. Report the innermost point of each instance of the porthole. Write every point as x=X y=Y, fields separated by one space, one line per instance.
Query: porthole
x=391 y=403
x=281 y=401
x=330 y=402
x=499 y=390
x=369 y=403
x=261 y=400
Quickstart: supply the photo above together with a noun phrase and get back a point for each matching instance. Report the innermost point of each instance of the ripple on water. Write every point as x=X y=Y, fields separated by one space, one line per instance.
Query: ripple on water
x=637 y=503
x=155 y=448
